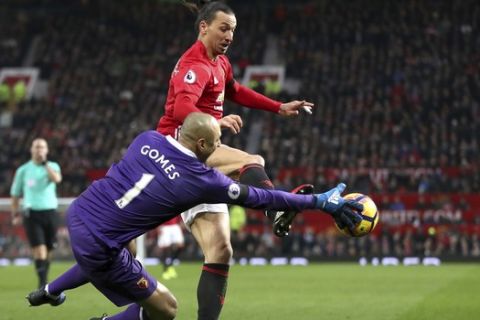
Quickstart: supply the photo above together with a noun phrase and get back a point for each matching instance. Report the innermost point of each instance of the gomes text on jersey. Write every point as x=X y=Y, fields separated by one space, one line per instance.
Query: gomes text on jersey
x=157 y=179
x=161 y=160
x=173 y=168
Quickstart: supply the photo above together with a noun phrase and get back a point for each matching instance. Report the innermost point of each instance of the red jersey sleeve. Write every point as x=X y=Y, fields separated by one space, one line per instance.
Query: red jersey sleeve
x=184 y=105
x=246 y=96
x=189 y=82
x=249 y=98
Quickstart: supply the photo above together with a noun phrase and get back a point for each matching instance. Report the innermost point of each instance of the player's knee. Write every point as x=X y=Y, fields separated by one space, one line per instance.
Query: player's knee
x=219 y=252
x=40 y=252
x=223 y=252
x=170 y=310
x=255 y=159
x=166 y=309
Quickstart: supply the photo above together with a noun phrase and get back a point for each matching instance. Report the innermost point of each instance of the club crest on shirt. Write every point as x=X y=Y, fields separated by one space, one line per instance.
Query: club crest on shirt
x=190 y=77
x=234 y=191
x=142 y=283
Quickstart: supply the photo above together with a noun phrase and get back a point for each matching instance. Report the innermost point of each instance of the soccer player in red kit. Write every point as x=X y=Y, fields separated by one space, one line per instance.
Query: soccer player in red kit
x=200 y=81
x=170 y=240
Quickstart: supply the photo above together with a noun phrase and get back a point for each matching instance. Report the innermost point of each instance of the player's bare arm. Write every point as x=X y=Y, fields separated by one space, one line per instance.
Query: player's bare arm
x=249 y=98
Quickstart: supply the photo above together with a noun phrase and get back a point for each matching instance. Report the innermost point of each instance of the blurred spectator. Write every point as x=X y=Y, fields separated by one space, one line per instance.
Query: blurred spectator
x=238 y=218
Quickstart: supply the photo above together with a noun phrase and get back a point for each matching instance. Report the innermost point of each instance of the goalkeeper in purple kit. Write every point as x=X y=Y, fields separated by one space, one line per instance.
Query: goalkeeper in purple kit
x=157 y=179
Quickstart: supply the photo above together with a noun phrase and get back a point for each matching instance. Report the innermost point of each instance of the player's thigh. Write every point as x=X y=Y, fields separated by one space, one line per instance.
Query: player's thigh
x=191 y=214
x=161 y=304
x=121 y=278
x=212 y=232
x=230 y=160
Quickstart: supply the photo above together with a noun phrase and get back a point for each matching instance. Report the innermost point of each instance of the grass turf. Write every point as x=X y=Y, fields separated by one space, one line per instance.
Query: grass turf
x=319 y=291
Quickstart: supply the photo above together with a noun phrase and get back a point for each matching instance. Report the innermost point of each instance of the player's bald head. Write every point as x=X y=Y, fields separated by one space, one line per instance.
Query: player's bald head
x=200 y=133
x=199 y=125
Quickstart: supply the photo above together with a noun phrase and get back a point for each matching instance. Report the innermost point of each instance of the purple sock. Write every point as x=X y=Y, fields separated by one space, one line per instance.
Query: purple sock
x=131 y=313
x=70 y=279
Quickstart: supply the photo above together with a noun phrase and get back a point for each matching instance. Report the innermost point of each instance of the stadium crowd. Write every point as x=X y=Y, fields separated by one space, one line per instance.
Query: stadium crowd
x=108 y=68
x=396 y=87
x=446 y=240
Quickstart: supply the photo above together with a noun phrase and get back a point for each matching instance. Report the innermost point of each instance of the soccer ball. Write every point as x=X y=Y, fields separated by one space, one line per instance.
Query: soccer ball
x=369 y=214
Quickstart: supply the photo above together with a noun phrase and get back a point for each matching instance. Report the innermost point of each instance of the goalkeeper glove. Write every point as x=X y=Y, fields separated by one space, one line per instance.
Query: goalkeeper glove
x=344 y=212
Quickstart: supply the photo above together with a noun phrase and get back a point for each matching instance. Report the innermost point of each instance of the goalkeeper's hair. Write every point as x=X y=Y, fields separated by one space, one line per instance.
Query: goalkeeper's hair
x=206 y=10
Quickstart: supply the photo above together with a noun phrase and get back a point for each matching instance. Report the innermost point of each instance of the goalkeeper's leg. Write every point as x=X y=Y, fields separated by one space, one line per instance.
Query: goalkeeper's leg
x=52 y=293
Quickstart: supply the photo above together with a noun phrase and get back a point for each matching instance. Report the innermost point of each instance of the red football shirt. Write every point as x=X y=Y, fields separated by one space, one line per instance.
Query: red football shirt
x=174 y=220
x=198 y=84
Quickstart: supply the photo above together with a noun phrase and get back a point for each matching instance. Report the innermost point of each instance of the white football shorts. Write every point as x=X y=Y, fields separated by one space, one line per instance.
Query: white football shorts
x=190 y=215
x=170 y=234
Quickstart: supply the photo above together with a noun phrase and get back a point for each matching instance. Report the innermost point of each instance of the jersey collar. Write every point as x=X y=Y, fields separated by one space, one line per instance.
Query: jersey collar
x=177 y=145
x=203 y=51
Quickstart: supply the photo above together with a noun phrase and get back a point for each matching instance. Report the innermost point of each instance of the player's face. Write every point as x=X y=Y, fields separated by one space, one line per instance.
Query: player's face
x=218 y=35
x=39 y=150
x=206 y=146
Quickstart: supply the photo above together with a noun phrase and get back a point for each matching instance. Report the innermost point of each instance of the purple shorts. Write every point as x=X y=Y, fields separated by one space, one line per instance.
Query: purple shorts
x=114 y=272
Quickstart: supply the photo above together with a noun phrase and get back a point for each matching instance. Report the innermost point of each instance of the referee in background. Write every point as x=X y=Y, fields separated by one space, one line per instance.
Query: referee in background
x=36 y=181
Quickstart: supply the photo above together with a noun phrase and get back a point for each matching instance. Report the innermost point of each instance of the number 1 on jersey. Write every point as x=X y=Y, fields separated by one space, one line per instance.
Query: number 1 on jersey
x=135 y=190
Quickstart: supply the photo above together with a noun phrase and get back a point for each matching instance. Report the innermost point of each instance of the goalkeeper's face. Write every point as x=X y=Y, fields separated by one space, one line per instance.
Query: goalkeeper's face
x=209 y=142
x=39 y=150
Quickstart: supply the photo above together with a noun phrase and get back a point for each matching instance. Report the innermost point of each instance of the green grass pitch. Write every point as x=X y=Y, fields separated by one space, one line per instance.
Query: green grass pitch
x=319 y=291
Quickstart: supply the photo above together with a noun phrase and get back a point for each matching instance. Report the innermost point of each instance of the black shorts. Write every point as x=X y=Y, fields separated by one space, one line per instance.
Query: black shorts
x=41 y=227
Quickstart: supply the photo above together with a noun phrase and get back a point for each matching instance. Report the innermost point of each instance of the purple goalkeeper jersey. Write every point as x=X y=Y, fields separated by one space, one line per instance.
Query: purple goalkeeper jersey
x=157 y=179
